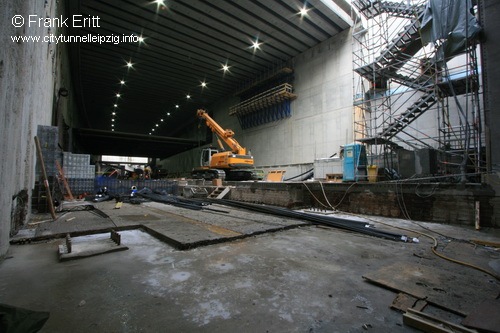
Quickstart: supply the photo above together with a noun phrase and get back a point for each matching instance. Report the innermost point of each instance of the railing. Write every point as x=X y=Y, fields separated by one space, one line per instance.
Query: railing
x=264 y=100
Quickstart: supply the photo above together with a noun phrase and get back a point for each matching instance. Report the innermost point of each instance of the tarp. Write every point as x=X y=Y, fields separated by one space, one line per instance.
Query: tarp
x=18 y=320
x=449 y=24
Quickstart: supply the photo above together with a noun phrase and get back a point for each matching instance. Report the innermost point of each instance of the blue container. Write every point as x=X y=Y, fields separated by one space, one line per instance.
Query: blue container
x=354 y=162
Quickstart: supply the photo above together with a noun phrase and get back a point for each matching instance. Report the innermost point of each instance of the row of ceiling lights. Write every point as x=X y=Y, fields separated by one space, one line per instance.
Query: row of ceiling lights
x=122 y=83
x=203 y=84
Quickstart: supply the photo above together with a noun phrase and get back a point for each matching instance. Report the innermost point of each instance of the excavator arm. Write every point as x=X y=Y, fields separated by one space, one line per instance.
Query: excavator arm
x=225 y=135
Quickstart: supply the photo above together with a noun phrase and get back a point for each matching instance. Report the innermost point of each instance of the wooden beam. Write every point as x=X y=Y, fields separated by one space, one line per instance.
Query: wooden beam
x=65 y=182
x=431 y=324
x=45 y=180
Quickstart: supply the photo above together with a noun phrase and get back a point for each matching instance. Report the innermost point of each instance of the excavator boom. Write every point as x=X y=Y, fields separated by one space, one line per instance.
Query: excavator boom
x=225 y=135
x=236 y=164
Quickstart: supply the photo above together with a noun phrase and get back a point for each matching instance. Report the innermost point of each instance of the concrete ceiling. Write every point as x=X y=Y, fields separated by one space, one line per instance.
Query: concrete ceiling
x=185 y=43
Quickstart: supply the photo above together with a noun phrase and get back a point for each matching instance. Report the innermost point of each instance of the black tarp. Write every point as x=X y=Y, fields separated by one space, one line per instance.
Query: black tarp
x=449 y=24
x=18 y=320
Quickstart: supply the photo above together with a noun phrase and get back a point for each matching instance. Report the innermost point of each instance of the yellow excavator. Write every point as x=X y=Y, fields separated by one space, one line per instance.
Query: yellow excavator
x=233 y=164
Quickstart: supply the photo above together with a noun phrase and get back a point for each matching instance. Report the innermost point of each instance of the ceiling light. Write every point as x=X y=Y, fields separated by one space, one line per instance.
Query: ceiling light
x=112 y=125
x=112 y=120
x=114 y=113
x=130 y=64
x=160 y=5
x=152 y=130
x=161 y=119
x=188 y=96
x=203 y=84
x=112 y=130
x=116 y=105
x=140 y=39
x=149 y=133
x=122 y=82
x=156 y=125
x=176 y=106
x=256 y=44
x=168 y=113
x=118 y=96
x=303 y=11
x=225 y=67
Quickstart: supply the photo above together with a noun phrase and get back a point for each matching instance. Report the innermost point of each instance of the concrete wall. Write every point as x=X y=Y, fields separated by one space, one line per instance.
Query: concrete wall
x=28 y=74
x=321 y=118
x=490 y=51
x=442 y=203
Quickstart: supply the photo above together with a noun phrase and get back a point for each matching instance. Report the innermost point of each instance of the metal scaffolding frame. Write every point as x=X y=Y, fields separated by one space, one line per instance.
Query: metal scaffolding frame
x=404 y=99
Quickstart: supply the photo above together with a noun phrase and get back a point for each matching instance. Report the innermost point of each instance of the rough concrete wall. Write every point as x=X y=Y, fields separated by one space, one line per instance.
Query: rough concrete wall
x=490 y=51
x=64 y=115
x=321 y=118
x=26 y=100
x=443 y=203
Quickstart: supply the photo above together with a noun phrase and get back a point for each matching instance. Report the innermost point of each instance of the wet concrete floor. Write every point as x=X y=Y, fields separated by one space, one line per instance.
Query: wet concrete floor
x=294 y=278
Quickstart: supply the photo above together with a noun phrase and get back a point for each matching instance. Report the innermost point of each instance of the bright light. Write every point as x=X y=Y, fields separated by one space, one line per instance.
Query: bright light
x=130 y=64
x=161 y=119
x=122 y=82
x=160 y=4
x=256 y=44
x=140 y=39
x=188 y=96
x=176 y=106
x=152 y=130
x=112 y=125
x=203 y=84
x=114 y=113
x=112 y=120
x=156 y=125
x=112 y=130
x=118 y=95
x=116 y=105
x=168 y=113
x=303 y=11
x=225 y=67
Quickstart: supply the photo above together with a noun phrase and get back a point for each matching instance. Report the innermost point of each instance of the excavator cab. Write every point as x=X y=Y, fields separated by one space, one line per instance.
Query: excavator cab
x=206 y=156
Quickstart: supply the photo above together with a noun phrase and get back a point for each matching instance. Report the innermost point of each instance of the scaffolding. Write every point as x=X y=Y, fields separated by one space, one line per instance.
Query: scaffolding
x=408 y=99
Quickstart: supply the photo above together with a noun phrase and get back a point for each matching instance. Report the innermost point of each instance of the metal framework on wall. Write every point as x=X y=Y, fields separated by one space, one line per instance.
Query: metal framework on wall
x=270 y=105
x=265 y=100
x=406 y=98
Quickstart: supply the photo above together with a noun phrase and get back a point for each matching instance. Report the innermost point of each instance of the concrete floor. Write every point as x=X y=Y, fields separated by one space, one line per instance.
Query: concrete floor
x=301 y=278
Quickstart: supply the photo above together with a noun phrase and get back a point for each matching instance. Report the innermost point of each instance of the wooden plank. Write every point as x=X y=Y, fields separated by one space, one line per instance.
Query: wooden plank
x=453 y=291
x=422 y=324
x=45 y=180
x=65 y=182
x=275 y=175
x=485 y=243
x=403 y=302
x=431 y=324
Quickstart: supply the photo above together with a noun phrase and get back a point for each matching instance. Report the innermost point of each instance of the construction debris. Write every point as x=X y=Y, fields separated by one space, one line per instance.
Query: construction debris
x=342 y=223
x=428 y=323
x=93 y=246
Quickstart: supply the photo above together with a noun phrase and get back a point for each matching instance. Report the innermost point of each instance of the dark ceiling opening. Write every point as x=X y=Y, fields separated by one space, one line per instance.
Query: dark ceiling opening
x=157 y=62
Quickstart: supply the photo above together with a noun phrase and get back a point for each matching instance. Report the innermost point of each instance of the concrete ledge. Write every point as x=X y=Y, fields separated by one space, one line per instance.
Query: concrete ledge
x=89 y=249
x=431 y=202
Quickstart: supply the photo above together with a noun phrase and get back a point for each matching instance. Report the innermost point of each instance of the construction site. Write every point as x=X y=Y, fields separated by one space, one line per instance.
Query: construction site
x=260 y=166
